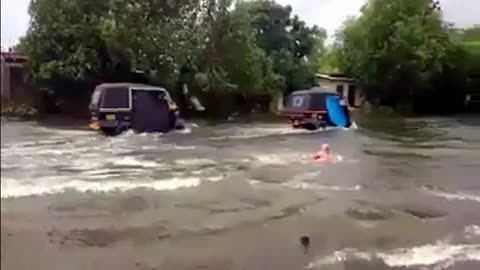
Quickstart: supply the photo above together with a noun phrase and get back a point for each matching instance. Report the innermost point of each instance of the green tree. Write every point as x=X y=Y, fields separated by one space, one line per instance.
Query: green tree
x=397 y=50
x=75 y=39
x=471 y=34
x=244 y=62
x=52 y=41
x=293 y=47
x=329 y=61
x=252 y=47
x=470 y=38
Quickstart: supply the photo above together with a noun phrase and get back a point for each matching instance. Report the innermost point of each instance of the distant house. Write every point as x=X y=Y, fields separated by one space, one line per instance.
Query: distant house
x=344 y=86
x=13 y=84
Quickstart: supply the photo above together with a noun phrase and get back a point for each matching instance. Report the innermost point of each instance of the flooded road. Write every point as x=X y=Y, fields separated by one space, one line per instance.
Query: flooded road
x=400 y=194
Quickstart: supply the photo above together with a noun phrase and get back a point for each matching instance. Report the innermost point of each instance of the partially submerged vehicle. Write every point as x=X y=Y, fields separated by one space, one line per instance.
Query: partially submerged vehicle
x=316 y=108
x=116 y=107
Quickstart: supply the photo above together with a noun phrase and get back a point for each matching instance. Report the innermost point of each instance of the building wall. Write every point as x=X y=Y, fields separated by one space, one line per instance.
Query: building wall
x=328 y=85
x=19 y=90
x=331 y=86
x=14 y=86
x=359 y=97
x=5 y=82
x=276 y=103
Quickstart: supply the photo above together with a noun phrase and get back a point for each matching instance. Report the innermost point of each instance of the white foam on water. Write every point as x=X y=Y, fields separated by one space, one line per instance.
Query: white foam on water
x=339 y=256
x=438 y=256
x=184 y=147
x=271 y=160
x=11 y=188
x=251 y=133
x=367 y=224
x=195 y=162
x=336 y=159
x=354 y=125
x=196 y=172
x=68 y=132
x=183 y=131
x=146 y=134
x=305 y=186
x=217 y=178
x=307 y=176
x=472 y=231
x=111 y=173
x=26 y=146
x=254 y=182
x=288 y=158
x=130 y=132
x=97 y=172
x=117 y=150
x=306 y=159
x=149 y=147
x=309 y=186
x=462 y=196
x=64 y=151
x=127 y=133
x=130 y=161
x=103 y=176
x=92 y=163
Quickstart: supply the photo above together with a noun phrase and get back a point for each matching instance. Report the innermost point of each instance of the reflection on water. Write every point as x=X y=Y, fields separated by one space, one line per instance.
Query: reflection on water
x=230 y=176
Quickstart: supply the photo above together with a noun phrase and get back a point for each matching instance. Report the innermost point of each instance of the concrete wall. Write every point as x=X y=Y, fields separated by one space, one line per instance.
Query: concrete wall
x=14 y=86
x=331 y=86
x=5 y=82
x=276 y=103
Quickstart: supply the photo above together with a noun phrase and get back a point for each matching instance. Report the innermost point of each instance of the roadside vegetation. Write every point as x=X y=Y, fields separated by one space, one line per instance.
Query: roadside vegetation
x=240 y=56
x=215 y=49
x=404 y=56
x=18 y=110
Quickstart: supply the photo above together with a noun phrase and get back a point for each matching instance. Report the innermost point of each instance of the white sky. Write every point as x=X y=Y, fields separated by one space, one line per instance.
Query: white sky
x=328 y=14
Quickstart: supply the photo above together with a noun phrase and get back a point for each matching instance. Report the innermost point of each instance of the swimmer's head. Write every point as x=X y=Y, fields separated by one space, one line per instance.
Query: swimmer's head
x=326 y=148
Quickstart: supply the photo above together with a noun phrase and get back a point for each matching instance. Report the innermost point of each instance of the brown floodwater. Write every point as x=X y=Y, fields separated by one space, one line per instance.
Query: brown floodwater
x=400 y=193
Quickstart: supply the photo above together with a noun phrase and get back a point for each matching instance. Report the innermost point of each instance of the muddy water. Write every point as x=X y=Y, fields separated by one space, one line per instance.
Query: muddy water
x=399 y=194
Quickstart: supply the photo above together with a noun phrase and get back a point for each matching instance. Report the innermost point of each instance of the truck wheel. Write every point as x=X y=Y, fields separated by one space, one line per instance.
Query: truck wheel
x=310 y=127
x=109 y=131
x=113 y=131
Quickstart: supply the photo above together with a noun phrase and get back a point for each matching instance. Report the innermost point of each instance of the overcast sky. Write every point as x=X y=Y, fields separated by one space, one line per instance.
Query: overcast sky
x=328 y=14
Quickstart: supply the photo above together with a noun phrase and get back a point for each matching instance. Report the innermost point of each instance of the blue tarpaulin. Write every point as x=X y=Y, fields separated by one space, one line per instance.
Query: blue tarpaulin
x=335 y=111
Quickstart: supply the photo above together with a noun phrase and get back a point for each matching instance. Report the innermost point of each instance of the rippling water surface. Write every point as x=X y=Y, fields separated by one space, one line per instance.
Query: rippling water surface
x=401 y=193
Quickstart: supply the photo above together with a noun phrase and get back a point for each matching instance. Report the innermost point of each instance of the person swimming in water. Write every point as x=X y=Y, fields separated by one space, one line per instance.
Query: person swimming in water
x=324 y=154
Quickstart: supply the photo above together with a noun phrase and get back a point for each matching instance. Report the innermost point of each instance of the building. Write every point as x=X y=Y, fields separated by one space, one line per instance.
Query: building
x=13 y=83
x=344 y=86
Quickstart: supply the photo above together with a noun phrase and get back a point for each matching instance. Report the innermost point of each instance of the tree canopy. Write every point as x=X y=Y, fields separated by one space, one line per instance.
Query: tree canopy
x=471 y=42
x=400 y=50
x=210 y=44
